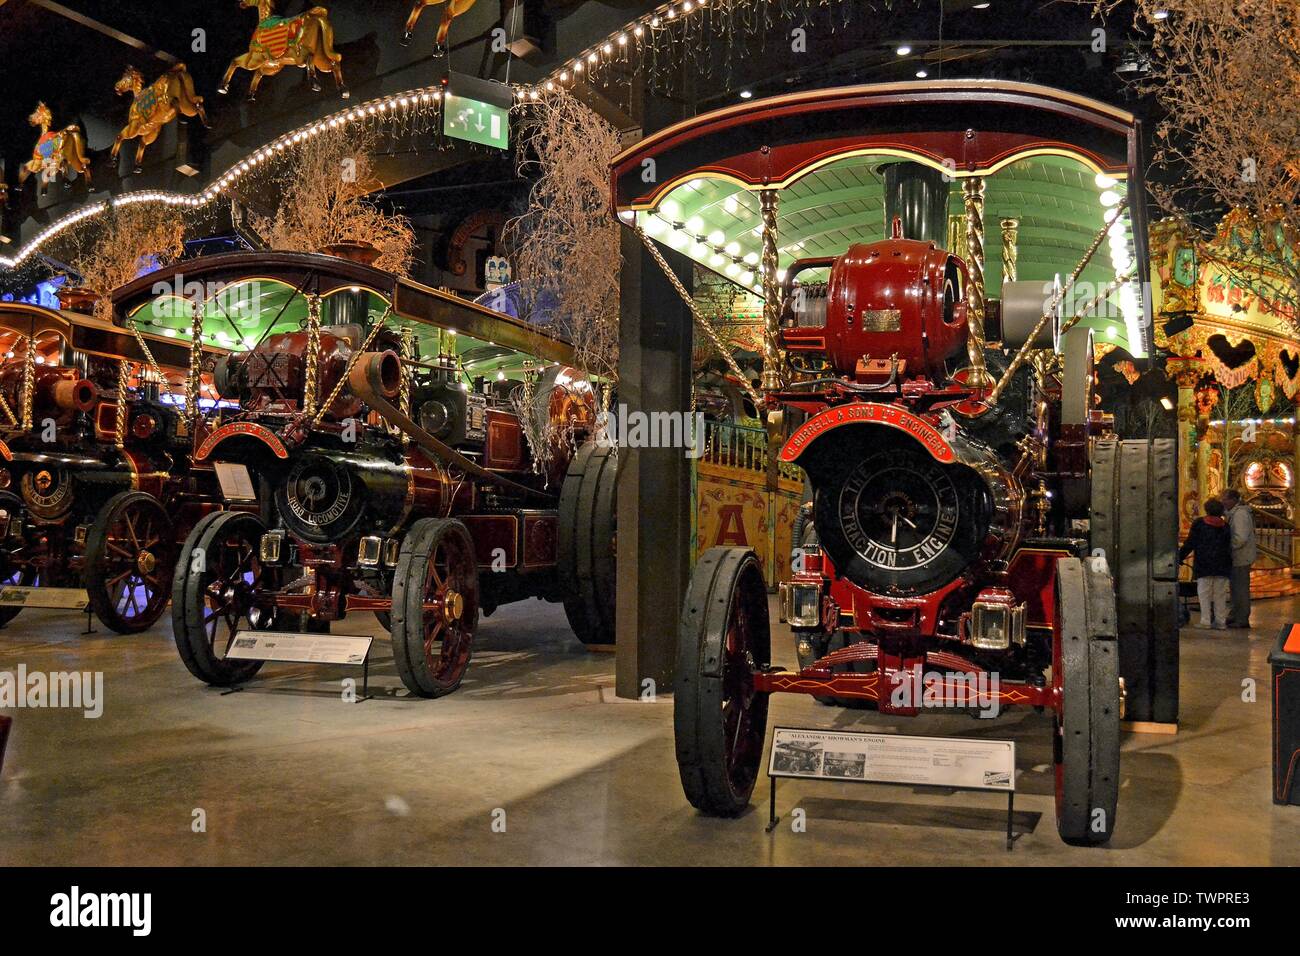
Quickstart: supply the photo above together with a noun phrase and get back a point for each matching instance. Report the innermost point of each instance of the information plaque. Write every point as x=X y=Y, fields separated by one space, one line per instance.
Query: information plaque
x=298 y=648
x=958 y=763
x=61 y=599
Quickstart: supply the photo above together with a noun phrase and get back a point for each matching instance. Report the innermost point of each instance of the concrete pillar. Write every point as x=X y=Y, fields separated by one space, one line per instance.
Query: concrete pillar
x=653 y=555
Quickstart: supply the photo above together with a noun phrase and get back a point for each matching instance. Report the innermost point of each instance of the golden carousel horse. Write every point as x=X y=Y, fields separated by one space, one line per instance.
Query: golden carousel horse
x=54 y=151
x=451 y=11
x=305 y=40
x=155 y=105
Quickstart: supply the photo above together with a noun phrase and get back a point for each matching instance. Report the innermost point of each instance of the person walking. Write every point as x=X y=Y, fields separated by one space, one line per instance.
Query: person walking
x=1241 y=525
x=1210 y=541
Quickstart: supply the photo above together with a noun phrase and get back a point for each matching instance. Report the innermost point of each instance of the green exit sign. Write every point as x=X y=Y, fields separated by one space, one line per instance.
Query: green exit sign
x=475 y=121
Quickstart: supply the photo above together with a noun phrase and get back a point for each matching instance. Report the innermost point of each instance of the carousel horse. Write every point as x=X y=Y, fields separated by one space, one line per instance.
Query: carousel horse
x=54 y=151
x=451 y=11
x=305 y=40
x=156 y=105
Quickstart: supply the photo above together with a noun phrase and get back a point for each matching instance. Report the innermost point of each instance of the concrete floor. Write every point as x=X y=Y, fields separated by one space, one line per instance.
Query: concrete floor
x=287 y=773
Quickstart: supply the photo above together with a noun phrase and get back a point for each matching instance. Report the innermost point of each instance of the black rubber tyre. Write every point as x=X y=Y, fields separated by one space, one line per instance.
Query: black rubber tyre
x=12 y=505
x=130 y=559
x=1086 y=751
x=588 y=526
x=1134 y=523
x=210 y=600
x=719 y=720
x=436 y=565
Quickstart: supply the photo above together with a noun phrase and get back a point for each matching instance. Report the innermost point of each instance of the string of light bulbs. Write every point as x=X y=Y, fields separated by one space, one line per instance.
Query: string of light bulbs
x=665 y=27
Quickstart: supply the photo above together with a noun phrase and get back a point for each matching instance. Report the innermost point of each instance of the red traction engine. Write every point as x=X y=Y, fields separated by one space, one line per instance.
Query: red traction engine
x=393 y=486
x=948 y=563
x=96 y=483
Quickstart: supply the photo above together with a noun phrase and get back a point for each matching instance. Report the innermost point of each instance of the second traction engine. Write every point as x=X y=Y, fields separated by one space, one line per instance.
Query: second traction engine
x=400 y=485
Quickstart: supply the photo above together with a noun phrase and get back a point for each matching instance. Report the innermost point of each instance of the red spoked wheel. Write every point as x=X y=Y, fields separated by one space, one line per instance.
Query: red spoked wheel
x=218 y=580
x=1086 y=725
x=719 y=719
x=435 y=606
x=130 y=558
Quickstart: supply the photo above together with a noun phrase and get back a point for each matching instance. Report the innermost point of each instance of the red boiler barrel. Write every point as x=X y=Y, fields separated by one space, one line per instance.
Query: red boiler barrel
x=896 y=296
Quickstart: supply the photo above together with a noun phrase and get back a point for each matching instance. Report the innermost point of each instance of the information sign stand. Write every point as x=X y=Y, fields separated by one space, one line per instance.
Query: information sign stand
x=345 y=649
x=954 y=763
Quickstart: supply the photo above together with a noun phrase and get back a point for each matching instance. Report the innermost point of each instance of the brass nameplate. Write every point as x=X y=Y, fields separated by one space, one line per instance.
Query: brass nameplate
x=881 y=320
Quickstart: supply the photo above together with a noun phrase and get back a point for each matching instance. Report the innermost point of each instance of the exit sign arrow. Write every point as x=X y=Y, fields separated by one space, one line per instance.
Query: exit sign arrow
x=477 y=111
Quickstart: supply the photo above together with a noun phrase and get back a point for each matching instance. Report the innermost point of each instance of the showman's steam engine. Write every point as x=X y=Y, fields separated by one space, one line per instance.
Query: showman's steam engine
x=957 y=547
x=392 y=485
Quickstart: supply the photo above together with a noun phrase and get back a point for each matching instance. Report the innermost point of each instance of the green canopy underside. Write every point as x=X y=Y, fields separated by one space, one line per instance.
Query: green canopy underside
x=245 y=312
x=1056 y=200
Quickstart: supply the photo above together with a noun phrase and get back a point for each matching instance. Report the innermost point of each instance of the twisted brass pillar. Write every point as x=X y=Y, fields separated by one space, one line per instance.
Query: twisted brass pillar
x=404 y=400
x=957 y=234
x=972 y=189
x=1010 y=230
x=119 y=425
x=772 y=377
x=193 y=380
x=29 y=382
x=313 y=355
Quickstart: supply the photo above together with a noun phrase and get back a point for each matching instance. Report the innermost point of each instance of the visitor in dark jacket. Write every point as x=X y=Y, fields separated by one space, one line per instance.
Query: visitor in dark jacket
x=1210 y=542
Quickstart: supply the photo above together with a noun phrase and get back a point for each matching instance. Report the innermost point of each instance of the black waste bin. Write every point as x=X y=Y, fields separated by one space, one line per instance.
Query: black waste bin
x=1285 y=658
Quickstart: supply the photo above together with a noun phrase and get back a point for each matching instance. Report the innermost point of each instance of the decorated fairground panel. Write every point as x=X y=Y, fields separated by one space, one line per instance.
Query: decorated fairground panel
x=1229 y=325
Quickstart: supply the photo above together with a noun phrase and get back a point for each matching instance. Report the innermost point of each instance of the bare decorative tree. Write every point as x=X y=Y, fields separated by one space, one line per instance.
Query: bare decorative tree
x=324 y=183
x=566 y=243
x=110 y=251
x=1226 y=76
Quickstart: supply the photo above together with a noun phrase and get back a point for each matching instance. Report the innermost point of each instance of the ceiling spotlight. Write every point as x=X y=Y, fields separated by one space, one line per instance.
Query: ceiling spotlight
x=1105 y=182
x=921 y=74
x=746 y=94
x=903 y=50
x=980 y=6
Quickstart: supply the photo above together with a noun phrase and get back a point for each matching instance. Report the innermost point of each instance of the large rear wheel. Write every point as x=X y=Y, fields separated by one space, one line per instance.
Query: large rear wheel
x=588 y=524
x=130 y=558
x=719 y=719
x=1134 y=523
x=1086 y=673
x=218 y=576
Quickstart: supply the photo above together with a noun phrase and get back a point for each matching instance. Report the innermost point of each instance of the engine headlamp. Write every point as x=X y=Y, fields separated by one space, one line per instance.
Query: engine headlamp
x=271 y=549
x=996 y=623
x=370 y=551
x=801 y=604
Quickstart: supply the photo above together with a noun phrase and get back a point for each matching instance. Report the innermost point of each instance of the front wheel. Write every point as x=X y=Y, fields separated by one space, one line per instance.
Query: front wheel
x=218 y=577
x=719 y=719
x=435 y=606
x=130 y=557
x=1086 y=669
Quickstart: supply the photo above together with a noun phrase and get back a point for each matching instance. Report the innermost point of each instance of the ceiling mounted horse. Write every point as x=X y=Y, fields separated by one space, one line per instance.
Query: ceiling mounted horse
x=305 y=40
x=451 y=11
x=55 y=151
x=155 y=105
